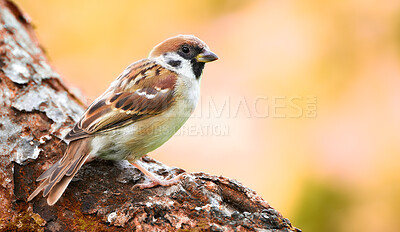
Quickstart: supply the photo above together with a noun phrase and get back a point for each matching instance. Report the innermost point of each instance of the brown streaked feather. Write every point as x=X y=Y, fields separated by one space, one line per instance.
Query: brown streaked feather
x=58 y=190
x=144 y=89
x=38 y=189
x=77 y=150
x=58 y=176
x=48 y=172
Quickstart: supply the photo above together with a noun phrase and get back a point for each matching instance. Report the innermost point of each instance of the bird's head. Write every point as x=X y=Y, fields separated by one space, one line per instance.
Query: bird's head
x=184 y=54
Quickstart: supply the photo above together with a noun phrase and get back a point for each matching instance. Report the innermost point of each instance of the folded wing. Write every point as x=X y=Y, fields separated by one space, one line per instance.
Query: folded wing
x=142 y=90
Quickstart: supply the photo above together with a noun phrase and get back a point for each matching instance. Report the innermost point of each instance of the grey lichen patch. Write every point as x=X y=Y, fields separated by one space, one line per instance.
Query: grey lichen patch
x=15 y=147
x=17 y=72
x=56 y=105
x=5 y=96
x=111 y=217
x=21 y=51
x=30 y=100
x=27 y=149
x=21 y=35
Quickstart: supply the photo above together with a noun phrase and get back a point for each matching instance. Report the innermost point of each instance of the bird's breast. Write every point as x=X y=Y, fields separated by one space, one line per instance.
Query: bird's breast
x=141 y=137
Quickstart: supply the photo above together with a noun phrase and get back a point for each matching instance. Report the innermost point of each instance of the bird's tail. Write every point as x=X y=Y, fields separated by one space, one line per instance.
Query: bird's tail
x=56 y=179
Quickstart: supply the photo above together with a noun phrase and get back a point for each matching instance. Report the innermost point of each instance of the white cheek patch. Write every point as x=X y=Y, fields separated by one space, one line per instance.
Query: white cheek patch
x=185 y=68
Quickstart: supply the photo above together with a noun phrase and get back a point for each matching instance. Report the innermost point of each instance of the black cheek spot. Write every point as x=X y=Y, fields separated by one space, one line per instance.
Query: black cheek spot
x=174 y=63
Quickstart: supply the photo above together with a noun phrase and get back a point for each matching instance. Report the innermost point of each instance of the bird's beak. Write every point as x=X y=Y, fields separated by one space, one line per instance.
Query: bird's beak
x=206 y=56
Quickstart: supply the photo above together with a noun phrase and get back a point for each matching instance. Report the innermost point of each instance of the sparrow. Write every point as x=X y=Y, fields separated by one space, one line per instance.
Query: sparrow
x=142 y=108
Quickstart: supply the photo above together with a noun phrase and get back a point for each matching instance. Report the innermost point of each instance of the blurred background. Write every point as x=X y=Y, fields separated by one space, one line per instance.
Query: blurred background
x=302 y=107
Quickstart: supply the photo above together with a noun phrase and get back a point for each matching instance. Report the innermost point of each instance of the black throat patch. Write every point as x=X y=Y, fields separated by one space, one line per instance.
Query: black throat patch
x=197 y=68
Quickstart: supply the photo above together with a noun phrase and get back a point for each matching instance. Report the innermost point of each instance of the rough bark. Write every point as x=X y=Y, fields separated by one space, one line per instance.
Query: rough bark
x=37 y=109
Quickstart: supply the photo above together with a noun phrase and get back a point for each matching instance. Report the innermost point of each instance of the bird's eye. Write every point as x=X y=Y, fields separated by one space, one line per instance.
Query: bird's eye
x=185 y=49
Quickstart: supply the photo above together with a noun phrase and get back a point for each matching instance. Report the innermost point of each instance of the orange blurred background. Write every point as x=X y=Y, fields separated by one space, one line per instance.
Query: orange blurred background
x=303 y=105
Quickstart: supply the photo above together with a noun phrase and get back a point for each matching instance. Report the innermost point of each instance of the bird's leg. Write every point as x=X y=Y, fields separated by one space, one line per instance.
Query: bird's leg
x=155 y=181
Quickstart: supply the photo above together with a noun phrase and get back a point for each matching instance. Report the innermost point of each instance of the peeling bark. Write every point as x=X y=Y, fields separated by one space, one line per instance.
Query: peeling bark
x=37 y=110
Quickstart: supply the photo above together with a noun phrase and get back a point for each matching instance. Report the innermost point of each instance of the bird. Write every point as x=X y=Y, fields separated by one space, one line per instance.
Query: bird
x=141 y=110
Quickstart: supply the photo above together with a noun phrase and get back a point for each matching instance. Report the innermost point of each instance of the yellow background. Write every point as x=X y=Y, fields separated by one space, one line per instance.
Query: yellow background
x=335 y=171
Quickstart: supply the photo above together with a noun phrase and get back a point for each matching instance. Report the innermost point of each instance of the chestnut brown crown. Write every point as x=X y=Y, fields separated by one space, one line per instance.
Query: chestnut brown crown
x=187 y=46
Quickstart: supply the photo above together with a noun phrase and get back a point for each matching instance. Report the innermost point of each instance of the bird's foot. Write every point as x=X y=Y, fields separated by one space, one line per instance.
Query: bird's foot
x=155 y=181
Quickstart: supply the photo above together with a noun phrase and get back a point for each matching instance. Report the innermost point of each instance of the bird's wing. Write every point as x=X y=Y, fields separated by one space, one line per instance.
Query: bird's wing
x=144 y=89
